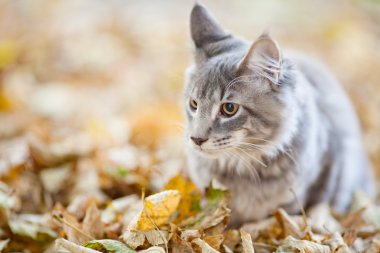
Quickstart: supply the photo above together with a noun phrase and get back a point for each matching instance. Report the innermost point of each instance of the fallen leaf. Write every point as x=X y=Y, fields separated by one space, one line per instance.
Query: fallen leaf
x=189 y=204
x=153 y=249
x=369 y=211
x=3 y=244
x=336 y=243
x=70 y=225
x=214 y=214
x=133 y=239
x=214 y=241
x=31 y=225
x=8 y=200
x=54 y=179
x=321 y=219
x=289 y=226
x=157 y=209
x=264 y=229
x=247 y=242
x=204 y=246
x=374 y=246
x=124 y=209
x=180 y=244
x=350 y=236
x=92 y=224
x=157 y=237
x=107 y=245
x=65 y=246
x=290 y=244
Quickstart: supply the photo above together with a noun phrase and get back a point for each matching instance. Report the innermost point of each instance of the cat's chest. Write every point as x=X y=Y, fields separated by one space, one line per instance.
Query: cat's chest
x=257 y=194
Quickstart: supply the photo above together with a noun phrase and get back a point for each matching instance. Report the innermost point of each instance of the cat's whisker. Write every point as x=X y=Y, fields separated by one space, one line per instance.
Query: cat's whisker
x=286 y=152
x=250 y=168
x=251 y=155
x=251 y=145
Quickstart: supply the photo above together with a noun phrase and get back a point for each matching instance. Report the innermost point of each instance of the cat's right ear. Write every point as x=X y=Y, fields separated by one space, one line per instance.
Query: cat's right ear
x=264 y=58
x=205 y=30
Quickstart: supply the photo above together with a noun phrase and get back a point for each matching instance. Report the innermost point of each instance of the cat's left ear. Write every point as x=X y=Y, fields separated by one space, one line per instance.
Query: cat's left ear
x=263 y=57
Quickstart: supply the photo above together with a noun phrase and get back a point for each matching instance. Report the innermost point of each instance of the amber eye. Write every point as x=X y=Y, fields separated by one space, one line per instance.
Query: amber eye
x=193 y=104
x=229 y=109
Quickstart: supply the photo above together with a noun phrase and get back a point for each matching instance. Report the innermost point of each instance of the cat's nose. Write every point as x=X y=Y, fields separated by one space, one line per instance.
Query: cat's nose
x=198 y=141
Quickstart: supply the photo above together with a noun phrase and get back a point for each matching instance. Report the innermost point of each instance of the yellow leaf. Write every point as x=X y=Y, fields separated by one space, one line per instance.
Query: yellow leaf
x=158 y=208
x=190 y=196
x=8 y=53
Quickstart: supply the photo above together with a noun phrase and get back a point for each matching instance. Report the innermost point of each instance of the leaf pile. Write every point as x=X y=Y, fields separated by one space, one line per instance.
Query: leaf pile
x=91 y=142
x=166 y=222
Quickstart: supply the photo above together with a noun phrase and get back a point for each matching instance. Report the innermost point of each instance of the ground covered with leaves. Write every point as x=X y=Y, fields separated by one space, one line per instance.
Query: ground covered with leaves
x=100 y=206
x=91 y=130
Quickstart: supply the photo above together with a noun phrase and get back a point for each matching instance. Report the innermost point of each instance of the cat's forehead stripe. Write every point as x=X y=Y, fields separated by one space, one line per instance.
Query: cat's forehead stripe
x=215 y=81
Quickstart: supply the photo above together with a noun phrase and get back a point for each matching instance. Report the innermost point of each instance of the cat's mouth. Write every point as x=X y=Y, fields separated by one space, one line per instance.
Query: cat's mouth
x=210 y=152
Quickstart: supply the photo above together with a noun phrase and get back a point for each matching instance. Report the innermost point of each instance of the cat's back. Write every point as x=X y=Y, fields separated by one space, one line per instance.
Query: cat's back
x=337 y=117
x=332 y=100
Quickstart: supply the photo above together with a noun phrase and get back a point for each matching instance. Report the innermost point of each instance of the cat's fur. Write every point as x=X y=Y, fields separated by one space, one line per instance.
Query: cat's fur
x=295 y=129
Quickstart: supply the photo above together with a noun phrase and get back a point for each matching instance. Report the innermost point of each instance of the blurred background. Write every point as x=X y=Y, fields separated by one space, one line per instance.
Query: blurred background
x=98 y=84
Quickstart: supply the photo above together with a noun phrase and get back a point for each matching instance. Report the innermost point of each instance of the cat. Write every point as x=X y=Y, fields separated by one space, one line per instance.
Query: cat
x=275 y=127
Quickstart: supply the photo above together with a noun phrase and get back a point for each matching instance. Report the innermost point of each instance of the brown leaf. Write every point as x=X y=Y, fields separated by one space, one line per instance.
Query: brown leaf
x=92 y=224
x=70 y=226
x=289 y=226
x=247 y=242
x=205 y=247
x=350 y=236
x=178 y=244
x=336 y=243
x=290 y=244
x=214 y=241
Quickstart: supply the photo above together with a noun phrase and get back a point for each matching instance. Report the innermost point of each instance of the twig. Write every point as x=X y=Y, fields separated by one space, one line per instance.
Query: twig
x=301 y=207
x=62 y=220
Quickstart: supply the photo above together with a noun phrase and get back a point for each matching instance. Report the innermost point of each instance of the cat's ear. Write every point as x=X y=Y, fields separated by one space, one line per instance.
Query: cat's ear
x=263 y=57
x=204 y=27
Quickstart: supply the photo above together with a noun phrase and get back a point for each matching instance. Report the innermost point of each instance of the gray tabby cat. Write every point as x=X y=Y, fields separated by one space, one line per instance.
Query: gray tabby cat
x=266 y=123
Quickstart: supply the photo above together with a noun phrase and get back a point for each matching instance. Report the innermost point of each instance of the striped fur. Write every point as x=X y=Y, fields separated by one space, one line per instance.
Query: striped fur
x=295 y=129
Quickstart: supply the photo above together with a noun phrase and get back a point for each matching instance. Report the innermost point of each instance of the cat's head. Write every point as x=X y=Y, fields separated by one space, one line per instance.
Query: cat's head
x=239 y=96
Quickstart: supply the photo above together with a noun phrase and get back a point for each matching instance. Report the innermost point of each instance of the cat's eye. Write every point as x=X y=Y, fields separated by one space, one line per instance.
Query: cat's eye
x=193 y=104
x=229 y=109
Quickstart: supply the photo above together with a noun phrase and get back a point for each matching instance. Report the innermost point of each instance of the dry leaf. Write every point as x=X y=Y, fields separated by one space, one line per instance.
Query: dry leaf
x=291 y=244
x=180 y=244
x=109 y=246
x=350 y=236
x=190 y=196
x=153 y=249
x=214 y=241
x=92 y=224
x=204 y=246
x=289 y=226
x=65 y=246
x=247 y=242
x=157 y=237
x=31 y=225
x=321 y=219
x=157 y=209
x=133 y=239
x=3 y=244
x=127 y=205
x=336 y=243
x=71 y=227
x=374 y=246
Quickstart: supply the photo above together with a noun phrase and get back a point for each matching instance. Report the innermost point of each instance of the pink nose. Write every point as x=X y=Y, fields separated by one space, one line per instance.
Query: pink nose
x=198 y=141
